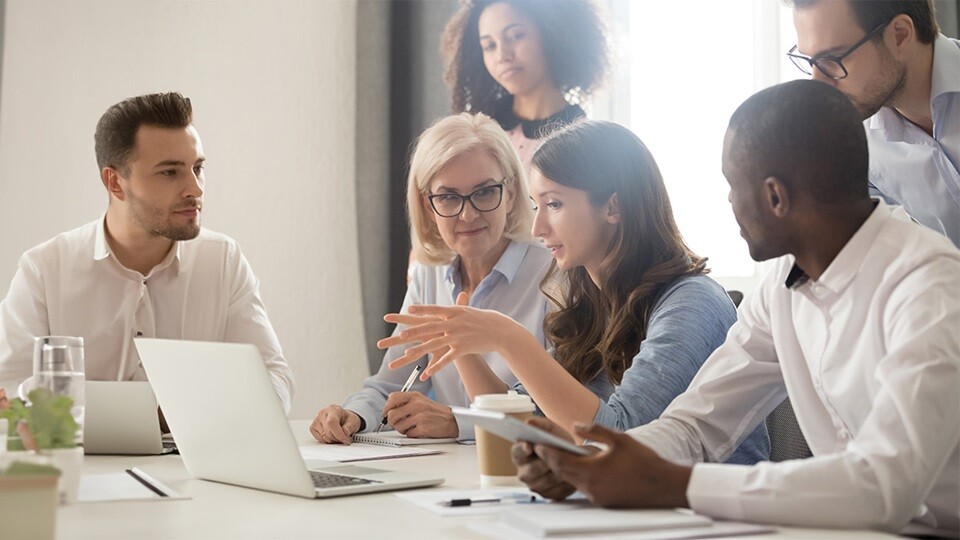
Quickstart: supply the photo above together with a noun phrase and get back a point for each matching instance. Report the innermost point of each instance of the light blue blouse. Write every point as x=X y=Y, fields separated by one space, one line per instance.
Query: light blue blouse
x=688 y=322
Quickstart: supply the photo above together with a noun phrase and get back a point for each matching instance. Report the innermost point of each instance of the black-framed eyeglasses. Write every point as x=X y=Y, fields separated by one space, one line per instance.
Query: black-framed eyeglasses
x=485 y=199
x=828 y=64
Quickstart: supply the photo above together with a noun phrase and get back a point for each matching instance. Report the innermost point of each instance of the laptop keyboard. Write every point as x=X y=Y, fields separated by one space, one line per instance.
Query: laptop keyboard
x=326 y=480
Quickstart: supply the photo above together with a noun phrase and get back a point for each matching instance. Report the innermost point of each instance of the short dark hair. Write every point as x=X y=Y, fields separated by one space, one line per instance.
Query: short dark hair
x=575 y=45
x=115 y=138
x=872 y=13
x=808 y=135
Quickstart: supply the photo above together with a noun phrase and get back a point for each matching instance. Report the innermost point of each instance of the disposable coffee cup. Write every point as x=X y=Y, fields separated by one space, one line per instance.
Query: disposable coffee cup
x=493 y=452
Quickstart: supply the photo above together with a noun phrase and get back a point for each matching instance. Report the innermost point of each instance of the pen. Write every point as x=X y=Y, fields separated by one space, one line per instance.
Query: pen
x=406 y=386
x=139 y=476
x=506 y=499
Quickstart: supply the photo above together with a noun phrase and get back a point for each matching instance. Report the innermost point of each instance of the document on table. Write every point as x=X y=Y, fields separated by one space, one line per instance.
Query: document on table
x=499 y=530
x=131 y=485
x=582 y=517
x=359 y=452
x=430 y=500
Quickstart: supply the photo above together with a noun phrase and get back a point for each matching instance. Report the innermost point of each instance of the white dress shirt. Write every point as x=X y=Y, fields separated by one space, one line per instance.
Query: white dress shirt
x=869 y=356
x=913 y=169
x=73 y=285
x=512 y=288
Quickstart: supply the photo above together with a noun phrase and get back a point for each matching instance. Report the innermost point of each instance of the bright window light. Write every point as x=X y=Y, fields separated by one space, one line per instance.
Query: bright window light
x=689 y=70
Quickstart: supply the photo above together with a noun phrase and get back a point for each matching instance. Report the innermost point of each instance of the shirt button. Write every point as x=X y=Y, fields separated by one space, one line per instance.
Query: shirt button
x=139 y=334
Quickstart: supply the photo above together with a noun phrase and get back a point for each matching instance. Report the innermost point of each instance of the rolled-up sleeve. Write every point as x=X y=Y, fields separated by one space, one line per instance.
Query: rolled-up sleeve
x=247 y=322
x=368 y=403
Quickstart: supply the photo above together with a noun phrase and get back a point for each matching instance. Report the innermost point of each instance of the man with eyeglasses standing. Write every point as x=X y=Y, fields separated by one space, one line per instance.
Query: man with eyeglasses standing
x=890 y=60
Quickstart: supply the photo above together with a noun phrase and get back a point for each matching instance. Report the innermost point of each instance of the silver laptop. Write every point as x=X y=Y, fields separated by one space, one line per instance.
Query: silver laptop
x=230 y=427
x=122 y=418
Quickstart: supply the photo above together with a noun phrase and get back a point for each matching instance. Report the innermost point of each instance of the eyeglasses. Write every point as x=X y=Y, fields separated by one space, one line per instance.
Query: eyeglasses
x=485 y=199
x=828 y=64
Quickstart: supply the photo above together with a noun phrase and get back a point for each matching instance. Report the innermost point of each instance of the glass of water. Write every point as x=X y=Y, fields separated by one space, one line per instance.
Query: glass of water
x=58 y=367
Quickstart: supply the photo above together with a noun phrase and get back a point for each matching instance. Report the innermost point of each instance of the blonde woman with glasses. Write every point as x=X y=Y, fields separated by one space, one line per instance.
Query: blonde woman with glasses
x=470 y=218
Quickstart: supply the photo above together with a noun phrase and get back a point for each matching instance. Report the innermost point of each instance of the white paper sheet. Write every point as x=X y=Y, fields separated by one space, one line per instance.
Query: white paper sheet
x=121 y=487
x=359 y=452
x=430 y=500
x=498 y=530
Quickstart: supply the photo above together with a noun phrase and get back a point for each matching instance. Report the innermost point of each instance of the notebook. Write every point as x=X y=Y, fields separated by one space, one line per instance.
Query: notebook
x=395 y=438
x=122 y=418
x=566 y=519
x=199 y=386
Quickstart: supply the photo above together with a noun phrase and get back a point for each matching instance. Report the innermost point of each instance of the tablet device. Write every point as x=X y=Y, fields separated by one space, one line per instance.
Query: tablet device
x=514 y=430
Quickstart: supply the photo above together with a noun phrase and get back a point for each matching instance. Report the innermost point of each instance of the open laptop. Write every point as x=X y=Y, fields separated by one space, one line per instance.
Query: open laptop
x=122 y=418
x=230 y=427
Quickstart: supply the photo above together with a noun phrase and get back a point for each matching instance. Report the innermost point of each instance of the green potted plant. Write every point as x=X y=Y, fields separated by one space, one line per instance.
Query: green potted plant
x=45 y=426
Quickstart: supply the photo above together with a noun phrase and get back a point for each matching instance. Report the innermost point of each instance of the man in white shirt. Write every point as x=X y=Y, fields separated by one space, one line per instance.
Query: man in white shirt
x=903 y=76
x=856 y=322
x=146 y=268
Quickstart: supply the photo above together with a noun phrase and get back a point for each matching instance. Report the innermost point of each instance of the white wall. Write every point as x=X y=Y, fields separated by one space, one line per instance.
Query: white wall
x=273 y=88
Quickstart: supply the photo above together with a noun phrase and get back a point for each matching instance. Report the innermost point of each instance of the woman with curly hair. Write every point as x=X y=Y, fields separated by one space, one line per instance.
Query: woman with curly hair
x=634 y=315
x=528 y=64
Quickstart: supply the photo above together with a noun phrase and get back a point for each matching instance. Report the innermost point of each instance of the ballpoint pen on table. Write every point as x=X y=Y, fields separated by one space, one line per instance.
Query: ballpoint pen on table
x=406 y=386
x=518 y=498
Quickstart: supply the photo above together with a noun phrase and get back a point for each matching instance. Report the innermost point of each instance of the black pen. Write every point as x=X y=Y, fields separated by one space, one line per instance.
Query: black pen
x=142 y=477
x=406 y=386
x=506 y=499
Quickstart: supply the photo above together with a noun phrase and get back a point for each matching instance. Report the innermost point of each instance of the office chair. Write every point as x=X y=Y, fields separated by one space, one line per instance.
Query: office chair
x=786 y=439
x=736 y=296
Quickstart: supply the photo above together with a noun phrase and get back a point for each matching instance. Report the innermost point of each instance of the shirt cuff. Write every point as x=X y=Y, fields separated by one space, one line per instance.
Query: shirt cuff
x=466 y=431
x=713 y=487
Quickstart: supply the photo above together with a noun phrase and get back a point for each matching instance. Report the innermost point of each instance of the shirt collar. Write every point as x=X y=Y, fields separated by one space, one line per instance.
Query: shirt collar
x=946 y=67
x=101 y=250
x=507 y=266
x=846 y=265
x=944 y=80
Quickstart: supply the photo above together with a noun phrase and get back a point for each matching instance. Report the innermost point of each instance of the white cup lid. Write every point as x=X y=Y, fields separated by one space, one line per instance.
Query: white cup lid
x=511 y=402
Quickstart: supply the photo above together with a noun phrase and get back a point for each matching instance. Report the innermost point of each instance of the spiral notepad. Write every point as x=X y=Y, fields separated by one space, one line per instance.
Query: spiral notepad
x=394 y=438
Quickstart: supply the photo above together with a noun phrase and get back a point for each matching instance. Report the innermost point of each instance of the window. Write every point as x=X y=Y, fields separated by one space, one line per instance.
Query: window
x=684 y=68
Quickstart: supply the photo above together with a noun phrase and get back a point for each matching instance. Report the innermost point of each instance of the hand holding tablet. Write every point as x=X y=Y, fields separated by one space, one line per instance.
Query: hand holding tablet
x=514 y=430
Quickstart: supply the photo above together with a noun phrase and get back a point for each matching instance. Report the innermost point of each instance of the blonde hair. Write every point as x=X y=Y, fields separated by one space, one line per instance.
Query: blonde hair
x=436 y=147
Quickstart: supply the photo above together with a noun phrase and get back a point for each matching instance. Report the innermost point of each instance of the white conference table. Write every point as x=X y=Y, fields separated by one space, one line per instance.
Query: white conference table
x=220 y=511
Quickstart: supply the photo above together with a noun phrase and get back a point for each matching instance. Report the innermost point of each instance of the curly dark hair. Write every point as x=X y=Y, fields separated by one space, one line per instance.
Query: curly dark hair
x=597 y=330
x=575 y=44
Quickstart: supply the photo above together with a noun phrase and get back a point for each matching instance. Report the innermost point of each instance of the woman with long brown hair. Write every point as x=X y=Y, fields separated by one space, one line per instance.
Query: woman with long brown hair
x=634 y=314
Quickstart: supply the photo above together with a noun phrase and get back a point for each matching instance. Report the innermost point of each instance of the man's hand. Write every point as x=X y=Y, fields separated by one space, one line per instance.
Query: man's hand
x=534 y=472
x=415 y=415
x=4 y=402
x=334 y=424
x=625 y=475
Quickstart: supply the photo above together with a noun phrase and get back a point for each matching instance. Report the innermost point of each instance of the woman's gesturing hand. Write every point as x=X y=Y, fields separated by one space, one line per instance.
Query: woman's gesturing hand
x=446 y=333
